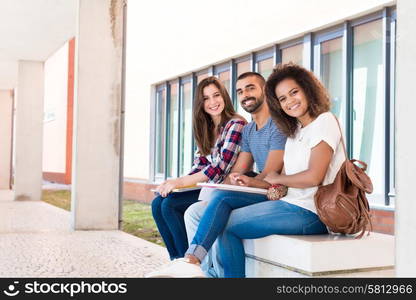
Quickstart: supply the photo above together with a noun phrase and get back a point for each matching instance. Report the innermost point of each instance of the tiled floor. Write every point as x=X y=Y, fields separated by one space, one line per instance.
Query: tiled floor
x=36 y=241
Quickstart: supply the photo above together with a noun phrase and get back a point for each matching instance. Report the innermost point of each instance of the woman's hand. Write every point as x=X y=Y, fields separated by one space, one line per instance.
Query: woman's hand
x=166 y=187
x=244 y=180
x=233 y=178
x=272 y=178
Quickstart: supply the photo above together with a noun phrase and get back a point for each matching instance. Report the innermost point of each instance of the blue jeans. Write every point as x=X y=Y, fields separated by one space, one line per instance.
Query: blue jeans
x=216 y=217
x=211 y=264
x=260 y=220
x=169 y=217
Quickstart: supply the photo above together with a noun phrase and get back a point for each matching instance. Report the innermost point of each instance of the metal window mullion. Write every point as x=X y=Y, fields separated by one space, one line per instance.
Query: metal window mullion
x=386 y=61
x=277 y=55
x=347 y=62
x=211 y=70
x=317 y=60
x=253 y=62
x=392 y=188
x=167 y=127
x=307 y=59
x=233 y=79
x=180 y=101
x=193 y=92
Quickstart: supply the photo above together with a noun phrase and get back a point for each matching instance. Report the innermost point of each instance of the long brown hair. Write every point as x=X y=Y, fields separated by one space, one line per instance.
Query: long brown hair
x=203 y=126
x=316 y=95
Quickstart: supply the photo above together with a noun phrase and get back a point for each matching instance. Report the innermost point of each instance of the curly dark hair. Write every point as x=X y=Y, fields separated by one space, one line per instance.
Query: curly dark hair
x=316 y=94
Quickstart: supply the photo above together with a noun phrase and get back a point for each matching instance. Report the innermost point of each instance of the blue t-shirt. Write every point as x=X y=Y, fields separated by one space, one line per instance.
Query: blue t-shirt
x=260 y=142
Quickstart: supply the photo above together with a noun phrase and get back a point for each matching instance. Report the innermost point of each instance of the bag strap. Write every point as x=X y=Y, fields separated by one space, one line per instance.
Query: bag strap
x=342 y=137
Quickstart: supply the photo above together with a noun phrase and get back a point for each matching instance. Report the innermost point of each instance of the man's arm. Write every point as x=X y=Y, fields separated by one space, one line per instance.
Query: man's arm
x=274 y=163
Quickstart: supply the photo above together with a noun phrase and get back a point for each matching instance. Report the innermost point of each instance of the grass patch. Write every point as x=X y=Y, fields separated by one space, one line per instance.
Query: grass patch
x=137 y=217
x=59 y=198
x=138 y=220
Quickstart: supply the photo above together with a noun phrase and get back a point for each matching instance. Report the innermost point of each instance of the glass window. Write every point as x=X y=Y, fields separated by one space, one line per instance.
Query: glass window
x=265 y=67
x=160 y=131
x=201 y=77
x=172 y=167
x=242 y=67
x=293 y=54
x=186 y=155
x=331 y=69
x=368 y=103
x=225 y=78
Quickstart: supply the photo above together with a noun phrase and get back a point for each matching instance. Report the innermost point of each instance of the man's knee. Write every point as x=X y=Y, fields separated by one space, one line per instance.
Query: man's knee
x=195 y=211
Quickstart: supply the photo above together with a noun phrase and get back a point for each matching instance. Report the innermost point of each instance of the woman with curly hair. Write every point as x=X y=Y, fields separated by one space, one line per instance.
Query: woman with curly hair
x=299 y=104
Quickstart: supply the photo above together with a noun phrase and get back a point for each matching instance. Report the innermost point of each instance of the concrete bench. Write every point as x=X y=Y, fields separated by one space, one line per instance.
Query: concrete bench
x=317 y=255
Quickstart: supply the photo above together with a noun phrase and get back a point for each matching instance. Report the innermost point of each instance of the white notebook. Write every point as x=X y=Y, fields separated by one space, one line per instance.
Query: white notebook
x=228 y=187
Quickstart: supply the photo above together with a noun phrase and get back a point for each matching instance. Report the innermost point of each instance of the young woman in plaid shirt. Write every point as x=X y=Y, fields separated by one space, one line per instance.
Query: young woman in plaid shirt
x=217 y=129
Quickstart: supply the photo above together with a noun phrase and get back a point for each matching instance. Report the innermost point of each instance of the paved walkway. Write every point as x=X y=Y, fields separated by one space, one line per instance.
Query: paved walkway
x=36 y=241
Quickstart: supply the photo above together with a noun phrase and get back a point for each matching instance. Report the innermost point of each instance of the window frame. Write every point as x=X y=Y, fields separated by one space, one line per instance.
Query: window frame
x=159 y=177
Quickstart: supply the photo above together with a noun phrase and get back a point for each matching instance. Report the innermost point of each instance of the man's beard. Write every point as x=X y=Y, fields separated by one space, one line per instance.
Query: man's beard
x=252 y=108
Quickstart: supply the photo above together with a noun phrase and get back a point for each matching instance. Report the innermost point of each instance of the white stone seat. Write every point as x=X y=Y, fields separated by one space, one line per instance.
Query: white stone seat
x=317 y=255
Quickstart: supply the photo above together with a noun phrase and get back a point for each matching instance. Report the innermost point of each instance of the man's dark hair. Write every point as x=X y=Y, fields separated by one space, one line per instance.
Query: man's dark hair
x=249 y=74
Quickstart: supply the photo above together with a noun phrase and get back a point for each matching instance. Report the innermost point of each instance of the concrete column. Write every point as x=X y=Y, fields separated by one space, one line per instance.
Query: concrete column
x=405 y=226
x=97 y=115
x=6 y=116
x=29 y=131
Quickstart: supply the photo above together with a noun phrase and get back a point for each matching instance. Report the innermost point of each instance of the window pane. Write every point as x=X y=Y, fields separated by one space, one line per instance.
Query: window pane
x=201 y=77
x=243 y=67
x=368 y=106
x=293 y=54
x=160 y=132
x=265 y=67
x=331 y=76
x=172 y=170
x=224 y=77
x=186 y=155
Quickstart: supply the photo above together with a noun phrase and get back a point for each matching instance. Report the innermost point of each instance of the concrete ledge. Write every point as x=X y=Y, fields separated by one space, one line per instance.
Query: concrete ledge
x=317 y=255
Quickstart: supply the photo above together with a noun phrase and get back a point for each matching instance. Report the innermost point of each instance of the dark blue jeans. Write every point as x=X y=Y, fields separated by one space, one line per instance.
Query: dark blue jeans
x=168 y=214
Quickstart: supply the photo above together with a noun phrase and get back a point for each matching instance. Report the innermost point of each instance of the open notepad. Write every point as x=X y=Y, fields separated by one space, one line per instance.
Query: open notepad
x=230 y=187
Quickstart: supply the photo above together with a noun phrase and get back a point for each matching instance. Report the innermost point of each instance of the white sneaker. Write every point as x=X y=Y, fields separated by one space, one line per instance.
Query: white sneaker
x=178 y=268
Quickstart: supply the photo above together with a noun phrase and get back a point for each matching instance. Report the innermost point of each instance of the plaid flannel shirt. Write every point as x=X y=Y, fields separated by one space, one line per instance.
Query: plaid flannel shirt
x=224 y=154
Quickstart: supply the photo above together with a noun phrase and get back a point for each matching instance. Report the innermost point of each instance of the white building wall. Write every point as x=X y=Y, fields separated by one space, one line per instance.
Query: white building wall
x=405 y=230
x=6 y=115
x=170 y=38
x=9 y=68
x=55 y=111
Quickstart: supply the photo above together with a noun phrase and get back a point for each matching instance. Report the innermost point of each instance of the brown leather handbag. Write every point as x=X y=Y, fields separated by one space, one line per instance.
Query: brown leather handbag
x=342 y=205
